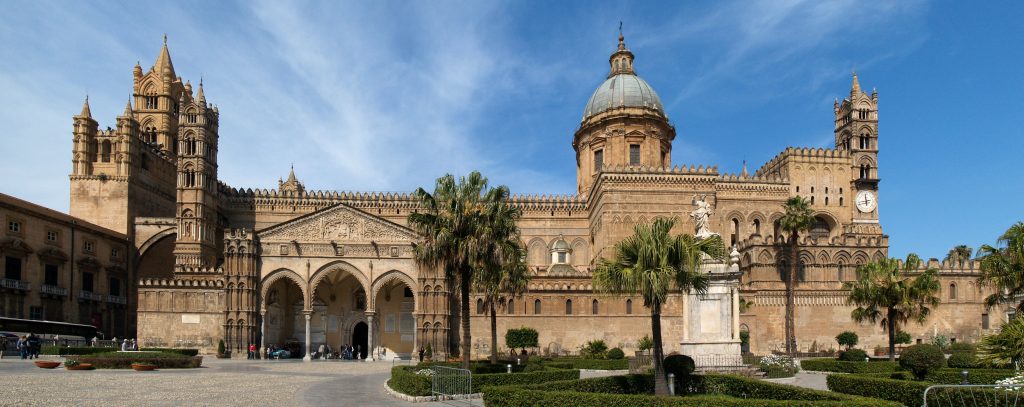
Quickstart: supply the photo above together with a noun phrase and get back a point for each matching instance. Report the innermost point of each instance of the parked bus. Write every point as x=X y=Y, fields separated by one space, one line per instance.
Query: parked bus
x=47 y=329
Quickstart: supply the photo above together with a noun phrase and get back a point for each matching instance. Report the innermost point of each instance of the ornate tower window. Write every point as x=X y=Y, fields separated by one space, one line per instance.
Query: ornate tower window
x=634 y=154
x=560 y=251
x=598 y=160
x=151 y=102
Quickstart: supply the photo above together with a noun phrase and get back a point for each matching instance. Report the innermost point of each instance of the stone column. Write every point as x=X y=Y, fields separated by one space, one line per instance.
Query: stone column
x=735 y=314
x=308 y=315
x=371 y=349
x=263 y=333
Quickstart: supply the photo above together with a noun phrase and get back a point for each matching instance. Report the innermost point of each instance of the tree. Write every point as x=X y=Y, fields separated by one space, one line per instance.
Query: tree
x=798 y=218
x=894 y=293
x=1002 y=267
x=451 y=225
x=652 y=263
x=959 y=255
x=848 y=339
x=521 y=338
x=503 y=271
x=1006 y=347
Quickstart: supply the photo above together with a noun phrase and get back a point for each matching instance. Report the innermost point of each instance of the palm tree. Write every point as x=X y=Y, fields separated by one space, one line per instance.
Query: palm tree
x=799 y=217
x=652 y=263
x=1003 y=268
x=887 y=290
x=504 y=270
x=450 y=224
x=959 y=255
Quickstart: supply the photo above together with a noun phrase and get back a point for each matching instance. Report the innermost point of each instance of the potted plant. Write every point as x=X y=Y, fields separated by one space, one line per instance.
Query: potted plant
x=143 y=366
x=221 y=352
x=76 y=365
x=47 y=364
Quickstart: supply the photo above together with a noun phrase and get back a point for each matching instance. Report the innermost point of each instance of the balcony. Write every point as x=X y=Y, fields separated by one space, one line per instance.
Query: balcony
x=89 y=296
x=117 y=299
x=53 y=290
x=15 y=284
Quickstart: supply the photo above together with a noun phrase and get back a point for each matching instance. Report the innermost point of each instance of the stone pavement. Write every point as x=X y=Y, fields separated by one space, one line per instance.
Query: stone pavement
x=218 y=383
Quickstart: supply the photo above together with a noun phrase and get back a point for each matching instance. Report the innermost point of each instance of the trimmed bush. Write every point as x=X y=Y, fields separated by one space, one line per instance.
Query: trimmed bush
x=908 y=392
x=590 y=364
x=119 y=360
x=962 y=360
x=832 y=365
x=920 y=359
x=182 y=351
x=595 y=349
x=679 y=365
x=974 y=376
x=616 y=353
x=505 y=379
x=961 y=347
x=516 y=397
x=405 y=380
x=902 y=338
x=521 y=338
x=853 y=355
x=74 y=350
x=847 y=339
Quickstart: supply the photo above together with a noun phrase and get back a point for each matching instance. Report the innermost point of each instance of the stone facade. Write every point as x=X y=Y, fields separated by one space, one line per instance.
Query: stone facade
x=298 y=267
x=63 y=269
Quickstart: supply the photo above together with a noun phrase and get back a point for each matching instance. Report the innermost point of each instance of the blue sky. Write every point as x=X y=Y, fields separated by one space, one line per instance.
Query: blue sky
x=387 y=96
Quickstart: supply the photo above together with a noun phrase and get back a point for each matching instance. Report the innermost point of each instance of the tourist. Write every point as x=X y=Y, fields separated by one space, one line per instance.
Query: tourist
x=252 y=351
x=359 y=352
x=34 y=345
x=320 y=352
x=422 y=351
x=22 y=346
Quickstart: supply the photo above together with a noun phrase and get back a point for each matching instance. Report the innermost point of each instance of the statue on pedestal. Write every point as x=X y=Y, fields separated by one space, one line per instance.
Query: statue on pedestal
x=700 y=217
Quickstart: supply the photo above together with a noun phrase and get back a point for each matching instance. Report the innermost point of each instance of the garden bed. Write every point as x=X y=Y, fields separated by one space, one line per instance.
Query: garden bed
x=841 y=366
x=414 y=381
x=124 y=360
x=900 y=387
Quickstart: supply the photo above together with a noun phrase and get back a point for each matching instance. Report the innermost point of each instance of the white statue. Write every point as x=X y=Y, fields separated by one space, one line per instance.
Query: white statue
x=700 y=216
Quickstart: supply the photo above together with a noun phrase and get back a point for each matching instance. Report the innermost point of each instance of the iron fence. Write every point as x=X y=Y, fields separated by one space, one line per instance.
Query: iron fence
x=449 y=383
x=989 y=395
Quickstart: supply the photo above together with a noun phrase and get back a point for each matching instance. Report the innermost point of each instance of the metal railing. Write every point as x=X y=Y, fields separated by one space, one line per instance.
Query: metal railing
x=53 y=290
x=449 y=383
x=90 y=296
x=15 y=284
x=940 y=395
x=718 y=360
x=117 y=299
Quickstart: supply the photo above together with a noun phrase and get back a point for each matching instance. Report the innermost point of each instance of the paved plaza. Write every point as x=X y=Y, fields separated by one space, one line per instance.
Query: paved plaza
x=217 y=383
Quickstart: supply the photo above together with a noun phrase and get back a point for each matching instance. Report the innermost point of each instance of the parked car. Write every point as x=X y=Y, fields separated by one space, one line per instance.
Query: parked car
x=280 y=354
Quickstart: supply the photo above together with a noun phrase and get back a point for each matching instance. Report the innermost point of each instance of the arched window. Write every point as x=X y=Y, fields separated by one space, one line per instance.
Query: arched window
x=479 y=306
x=568 y=307
x=105 y=151
x=801 y=274
x=536 y=307
x=842 y=271
x=629 y=307
x=94 y=148
x=735 y=231
x=757 y=227
x=952 y=291
x=593 y=307
x=510 y=307
x=820 y=228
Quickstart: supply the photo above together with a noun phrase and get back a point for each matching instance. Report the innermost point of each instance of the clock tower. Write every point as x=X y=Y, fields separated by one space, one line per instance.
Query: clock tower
x=856 y=131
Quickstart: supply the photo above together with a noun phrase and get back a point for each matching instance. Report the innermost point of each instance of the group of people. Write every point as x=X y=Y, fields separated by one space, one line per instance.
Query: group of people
x=29 y=346
x=347 y=352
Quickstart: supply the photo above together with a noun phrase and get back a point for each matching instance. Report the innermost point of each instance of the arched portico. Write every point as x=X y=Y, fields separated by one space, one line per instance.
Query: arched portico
x=395 y=307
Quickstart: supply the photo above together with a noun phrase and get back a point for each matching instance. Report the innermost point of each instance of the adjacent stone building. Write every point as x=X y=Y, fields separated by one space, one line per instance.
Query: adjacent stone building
x=64 y=269
x=292 y=266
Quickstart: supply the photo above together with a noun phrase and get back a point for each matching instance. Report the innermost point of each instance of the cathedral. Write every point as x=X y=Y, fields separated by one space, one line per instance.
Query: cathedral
x=300 y=268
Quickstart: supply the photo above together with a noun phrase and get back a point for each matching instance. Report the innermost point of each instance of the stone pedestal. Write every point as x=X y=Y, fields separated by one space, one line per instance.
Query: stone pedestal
x=711 y=334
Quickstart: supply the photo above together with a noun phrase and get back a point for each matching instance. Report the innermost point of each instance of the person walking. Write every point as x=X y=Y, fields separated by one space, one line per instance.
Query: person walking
x=34 y=343
x=252 y=351
x=422 y=351
x=22 y=346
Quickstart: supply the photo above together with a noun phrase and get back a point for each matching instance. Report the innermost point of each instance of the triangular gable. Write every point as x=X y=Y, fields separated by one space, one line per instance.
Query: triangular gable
x=338 y=223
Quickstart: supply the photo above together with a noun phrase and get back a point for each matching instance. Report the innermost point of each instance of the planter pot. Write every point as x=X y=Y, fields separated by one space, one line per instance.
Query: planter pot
x=47 y=364
x=143 y=368
x=80 y=366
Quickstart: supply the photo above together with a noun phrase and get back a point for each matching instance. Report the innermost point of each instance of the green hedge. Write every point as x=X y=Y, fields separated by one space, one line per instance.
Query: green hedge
x=839 y=366
x=74 y=350
x=908 y=392
x=162 y=360
x=592 y=364
x=517 y=397
x=626 y=384
x=182 y=351
x=505 y=379
x=405 y=380
x=975 y=376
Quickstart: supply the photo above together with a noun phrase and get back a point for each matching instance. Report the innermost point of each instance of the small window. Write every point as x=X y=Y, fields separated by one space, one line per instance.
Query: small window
x=87 y=283
x=52 y=235
x=952 y=291
x=51 y=275
x=561 y=257
x=35 y=313
x=629 y=307
x=984 y=321
x=598 y=160
x=479 y=306
x=510 y=308
x=634 y=154
x=536 y=307
x=151 y=102
x=14 y=226
x=88 y=246
x=115 y=254
x=568 y=307
x=593 y=307
x=12 y=268
x=115 y=287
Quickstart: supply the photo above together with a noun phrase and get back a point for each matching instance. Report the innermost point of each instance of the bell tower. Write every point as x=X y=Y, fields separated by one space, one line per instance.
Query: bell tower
x=856 y=131
x=197 y=209
x=157 y=94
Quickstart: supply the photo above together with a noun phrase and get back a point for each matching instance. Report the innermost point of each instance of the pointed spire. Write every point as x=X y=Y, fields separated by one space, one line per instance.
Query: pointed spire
x=85 y=108
x=128 y=108
x=200 y=96
x=855 y=86
x=163 y=63
x=291 y=175
x=745 y=174
x=622 y=59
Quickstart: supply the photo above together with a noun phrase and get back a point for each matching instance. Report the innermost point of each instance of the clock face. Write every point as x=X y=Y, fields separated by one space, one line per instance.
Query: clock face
x=866 y=201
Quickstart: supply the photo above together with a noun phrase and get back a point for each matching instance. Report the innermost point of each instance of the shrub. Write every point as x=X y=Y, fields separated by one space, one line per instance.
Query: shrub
x=853 y=355
x=220 y=347
x=848 y=339
x=974 y=376
x=908 y=392
x=940 y=340
x=1005 y=347
x=679 y=365
x=961 y=347
x=118 y=360
x=616 y=353
x=962 y=360
x=832 y=365
x=182 y=351
x=595 y=349
x=505 y=379
x=74 y=350
x=405 y=380
x=776 y=366
x=744 y=337
x=428 y=352
x=521 y=338
x=902 y=338
x=645 y=343
x=590 y=364
x=920 y=359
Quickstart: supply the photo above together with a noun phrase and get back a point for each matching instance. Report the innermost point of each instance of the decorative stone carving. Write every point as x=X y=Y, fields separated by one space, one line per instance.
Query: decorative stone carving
x=341 y=223
x=700 y=216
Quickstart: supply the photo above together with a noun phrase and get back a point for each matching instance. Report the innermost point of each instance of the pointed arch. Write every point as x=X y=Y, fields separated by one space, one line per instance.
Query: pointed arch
x=278 y=274
x=338 y=266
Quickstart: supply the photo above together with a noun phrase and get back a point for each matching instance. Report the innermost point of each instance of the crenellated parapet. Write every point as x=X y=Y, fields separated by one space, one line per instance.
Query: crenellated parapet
x=802 y=154
x=844 y=240
x=183 y=283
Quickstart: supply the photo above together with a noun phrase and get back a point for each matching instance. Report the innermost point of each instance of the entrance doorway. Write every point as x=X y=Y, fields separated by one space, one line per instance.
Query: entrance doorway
x=359 y=339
